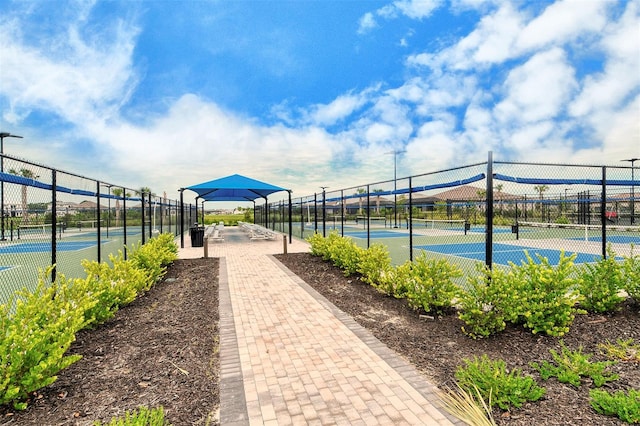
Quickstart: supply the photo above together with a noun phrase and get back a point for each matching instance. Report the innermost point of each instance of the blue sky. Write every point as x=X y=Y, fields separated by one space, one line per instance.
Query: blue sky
x=303 y=94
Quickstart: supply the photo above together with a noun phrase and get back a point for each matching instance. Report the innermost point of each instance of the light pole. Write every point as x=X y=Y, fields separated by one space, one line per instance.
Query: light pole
x=2 y=136
x=395 y=153
x=633 y=184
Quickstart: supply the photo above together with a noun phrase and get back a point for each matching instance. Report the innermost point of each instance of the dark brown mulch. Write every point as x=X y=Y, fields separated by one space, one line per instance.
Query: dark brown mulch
x=160 y=350
x=438 y=346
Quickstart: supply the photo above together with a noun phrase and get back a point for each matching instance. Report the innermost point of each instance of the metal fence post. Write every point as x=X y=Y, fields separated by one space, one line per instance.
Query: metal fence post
x=54 y=246
x=290 y=218
x=124 y=221
x=368 y=222
x=98 y=228
x=489 y=214
x=603 y=212
x=410 y=221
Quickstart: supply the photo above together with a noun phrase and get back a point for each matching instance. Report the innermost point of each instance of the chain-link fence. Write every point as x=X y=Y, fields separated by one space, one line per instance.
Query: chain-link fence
x=489 y=212
x=55 y=218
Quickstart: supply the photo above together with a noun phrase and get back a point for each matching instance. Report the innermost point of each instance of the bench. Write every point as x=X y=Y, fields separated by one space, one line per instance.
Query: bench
x=212 y=233
x=257 y=232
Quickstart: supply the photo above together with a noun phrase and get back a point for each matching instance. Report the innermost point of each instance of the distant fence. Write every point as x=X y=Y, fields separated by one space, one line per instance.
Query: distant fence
x=52 y=217
x=480 y=212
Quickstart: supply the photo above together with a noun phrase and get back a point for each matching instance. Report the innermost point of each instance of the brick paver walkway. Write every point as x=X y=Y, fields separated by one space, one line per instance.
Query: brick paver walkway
x=289 y=357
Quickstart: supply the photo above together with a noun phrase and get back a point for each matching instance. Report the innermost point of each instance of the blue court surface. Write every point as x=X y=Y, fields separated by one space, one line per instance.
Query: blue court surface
x=46 y=247
x=378 y=234
x=505 y=253
x=616 y=239
x=495 y=230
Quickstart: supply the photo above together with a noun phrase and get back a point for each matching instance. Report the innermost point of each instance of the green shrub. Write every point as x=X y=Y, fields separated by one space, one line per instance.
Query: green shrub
x=375 y=264
x=624 y=350
x=497 y=385
x=570 y=366
x=36 y=336
x=113 y=286
x=397 y=281
x=545 y=296
x=319 y=245
x=141 y=417
x=624 y=405
x=431 y=284
x=344 y=254
x=600 y=284
x=154 y=256
x=485 y=302
x=631 y=275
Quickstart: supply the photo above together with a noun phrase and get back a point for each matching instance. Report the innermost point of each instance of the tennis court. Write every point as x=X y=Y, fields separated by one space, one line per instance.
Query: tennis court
x=376 y=234
x=36 y=247
x=505 y=253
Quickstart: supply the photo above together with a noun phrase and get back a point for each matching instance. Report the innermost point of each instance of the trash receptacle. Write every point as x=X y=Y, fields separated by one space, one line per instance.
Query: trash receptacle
x=197 y=236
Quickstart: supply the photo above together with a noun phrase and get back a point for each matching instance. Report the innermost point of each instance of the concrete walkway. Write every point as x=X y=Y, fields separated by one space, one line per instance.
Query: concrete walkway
x=289 y=357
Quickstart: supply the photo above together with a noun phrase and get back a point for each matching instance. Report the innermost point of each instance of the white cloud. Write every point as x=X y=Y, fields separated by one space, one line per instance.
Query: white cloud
x=538 y=89
x=417 y=9
x=621 y=75
x=413 y=9
x=367 y=23
x=77 y=81
x=491 y=42
x=339 y=109
x=562 y=22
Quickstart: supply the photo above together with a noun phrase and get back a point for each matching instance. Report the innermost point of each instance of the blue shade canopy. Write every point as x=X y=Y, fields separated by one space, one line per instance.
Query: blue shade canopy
x=234 y=188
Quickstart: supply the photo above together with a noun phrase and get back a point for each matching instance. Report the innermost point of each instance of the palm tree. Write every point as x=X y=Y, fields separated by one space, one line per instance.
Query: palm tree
x=26 y=173
x=540 y=189
x=498 y=189
x=377 y=192
x=359 y=192
x=117 y=192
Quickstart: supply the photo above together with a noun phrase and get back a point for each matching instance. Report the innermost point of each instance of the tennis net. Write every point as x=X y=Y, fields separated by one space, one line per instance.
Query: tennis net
x=443 y=224
x=614 y=233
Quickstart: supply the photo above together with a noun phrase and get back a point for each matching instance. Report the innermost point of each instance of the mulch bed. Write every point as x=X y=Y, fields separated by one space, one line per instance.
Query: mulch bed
x=163 y=350
x=437 y=346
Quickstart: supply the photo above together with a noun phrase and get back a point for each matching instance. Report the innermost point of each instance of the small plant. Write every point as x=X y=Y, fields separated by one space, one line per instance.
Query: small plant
x=375 y=264
x=600 y=284
x=624 y=405
x=112 y=286
x=545 y=294
x=153 y=257
x=468 y=406
x=344 y=254
x=140 y=417
x=496 y=384
x=430 y=285
x=570 y=366
x=624 y=350
x=319 y=245
x=36 y=336
x=397 y=283
x=483 y=303
x=631 y=275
